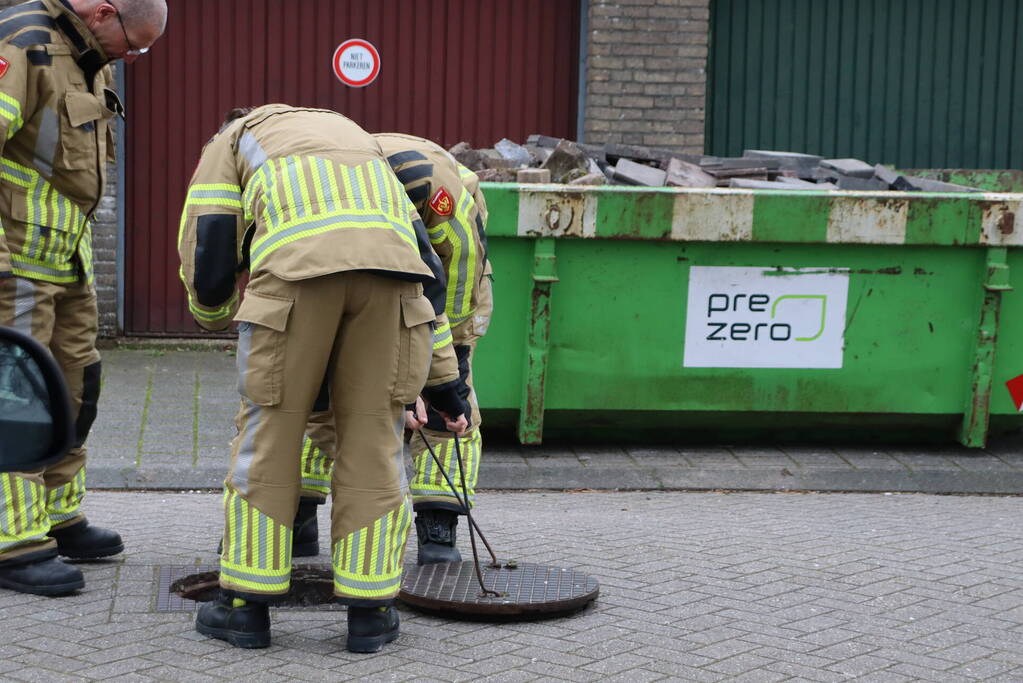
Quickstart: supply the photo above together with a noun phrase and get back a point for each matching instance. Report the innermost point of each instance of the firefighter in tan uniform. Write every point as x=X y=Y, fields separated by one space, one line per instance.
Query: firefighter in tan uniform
x=447 y=197
x=56 y=104
x=338 y=259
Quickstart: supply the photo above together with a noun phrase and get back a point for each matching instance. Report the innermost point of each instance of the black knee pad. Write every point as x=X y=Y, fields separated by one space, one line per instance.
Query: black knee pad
x=90 y=399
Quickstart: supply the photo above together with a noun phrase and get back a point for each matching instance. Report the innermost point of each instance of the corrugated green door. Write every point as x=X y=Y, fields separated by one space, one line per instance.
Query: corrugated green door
x=914 y=83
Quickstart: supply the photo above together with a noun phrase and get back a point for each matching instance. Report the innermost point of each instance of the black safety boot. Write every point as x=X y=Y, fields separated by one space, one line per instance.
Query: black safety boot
x=80 y=541
x=436 y=532
x=305 y=538
x=369 y=628
x=45 y=574
x=243 y=625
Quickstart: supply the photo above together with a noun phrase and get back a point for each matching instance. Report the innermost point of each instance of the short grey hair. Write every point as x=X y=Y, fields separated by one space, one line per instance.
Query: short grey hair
x=150 y=13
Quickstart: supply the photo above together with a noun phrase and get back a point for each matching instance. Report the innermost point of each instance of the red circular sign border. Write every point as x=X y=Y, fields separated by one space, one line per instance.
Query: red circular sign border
x=360 y=43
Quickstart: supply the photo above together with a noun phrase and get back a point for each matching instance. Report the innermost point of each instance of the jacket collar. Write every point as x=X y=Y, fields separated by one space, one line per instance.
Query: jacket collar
x=75 y=32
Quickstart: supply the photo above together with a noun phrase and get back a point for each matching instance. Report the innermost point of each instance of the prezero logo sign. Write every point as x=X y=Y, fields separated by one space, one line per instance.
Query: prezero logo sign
x=765 y=317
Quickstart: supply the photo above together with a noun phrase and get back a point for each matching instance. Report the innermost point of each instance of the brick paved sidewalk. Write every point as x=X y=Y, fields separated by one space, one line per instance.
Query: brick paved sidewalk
x=166 y=418
x=694 y=586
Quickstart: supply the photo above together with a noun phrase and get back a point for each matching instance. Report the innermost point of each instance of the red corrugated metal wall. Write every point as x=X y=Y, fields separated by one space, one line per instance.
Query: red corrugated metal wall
x=475 y=70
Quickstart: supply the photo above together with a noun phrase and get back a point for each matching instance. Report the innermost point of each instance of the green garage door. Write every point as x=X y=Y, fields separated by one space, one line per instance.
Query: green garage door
x=914 y=83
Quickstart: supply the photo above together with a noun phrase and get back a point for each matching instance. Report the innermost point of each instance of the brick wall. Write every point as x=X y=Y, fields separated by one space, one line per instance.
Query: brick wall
x=646 y=75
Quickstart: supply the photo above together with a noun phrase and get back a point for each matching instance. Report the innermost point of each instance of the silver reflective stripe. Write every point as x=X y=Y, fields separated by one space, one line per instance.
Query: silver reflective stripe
x=292 y=169
x=356 y=541
x=282 y=235
x=392 y=198
x=244 y=349
x=40 y=270
x=249 y=146
x=399 y=456
x=213 y=194
x=328 y=190
x=356 y=198
x=246 y=447
x=24 y=304
x=255 y=578
x=358 y=584
x=261 y=541
x=11 y=170
x=382 y=543
x=313 y=483
x=46 y=143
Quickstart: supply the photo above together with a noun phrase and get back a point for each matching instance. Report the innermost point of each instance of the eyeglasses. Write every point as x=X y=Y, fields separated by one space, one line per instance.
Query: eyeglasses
x=132 y=50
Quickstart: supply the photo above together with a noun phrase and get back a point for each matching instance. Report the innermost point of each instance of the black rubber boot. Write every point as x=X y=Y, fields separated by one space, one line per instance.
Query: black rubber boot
x=80 y=541
x=369 y=628
x=305 y=539
x=46 y=575
x=246 y=626
x=435 y=530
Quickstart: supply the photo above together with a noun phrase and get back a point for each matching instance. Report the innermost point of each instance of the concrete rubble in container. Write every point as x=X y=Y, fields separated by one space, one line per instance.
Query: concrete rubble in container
x=544 y=159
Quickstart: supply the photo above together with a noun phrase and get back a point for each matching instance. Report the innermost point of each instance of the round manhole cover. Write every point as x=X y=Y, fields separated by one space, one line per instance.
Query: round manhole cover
x=526 y=591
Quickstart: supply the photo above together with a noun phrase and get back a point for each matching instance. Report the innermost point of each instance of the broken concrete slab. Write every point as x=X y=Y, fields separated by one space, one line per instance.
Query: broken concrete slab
x=566 y=158
x=917 y=184
x=871 y=184
x=496 y=175
x=747 y=184
x=632 y=173
x=800 y=183
x=513 y=151
x=543 y=141
x=590 y=179
x=533 y=175
x=616 y=151
x=885 y=174
x=684 y=174
x=538 y=154
x=849 y=167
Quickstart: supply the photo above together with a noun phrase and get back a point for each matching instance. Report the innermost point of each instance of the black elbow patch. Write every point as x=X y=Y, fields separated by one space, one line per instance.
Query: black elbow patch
x=216 y=257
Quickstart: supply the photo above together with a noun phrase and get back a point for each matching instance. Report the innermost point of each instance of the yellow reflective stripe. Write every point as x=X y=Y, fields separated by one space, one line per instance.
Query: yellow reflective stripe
x=10 y=109
x=339 y=198
x=314 y=171
x=212 y=315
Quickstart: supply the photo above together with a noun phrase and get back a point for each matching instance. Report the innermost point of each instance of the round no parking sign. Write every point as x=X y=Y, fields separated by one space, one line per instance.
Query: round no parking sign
x=356 y=62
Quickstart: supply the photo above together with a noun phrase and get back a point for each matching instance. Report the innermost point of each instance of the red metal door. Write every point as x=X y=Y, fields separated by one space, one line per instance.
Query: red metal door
x=475 y=70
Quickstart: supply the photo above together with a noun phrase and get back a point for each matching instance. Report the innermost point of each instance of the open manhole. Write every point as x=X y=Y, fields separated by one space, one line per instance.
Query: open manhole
x=182 y=587
x=526 y=591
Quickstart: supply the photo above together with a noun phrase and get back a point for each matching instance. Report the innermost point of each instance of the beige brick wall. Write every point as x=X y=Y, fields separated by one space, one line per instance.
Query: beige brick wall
x=646 y=74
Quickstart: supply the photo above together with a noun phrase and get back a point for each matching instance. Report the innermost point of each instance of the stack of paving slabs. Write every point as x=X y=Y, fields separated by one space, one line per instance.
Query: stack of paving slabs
x=544 y=159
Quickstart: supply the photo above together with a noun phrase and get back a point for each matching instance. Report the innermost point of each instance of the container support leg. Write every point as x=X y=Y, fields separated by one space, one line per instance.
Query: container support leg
x=973 y=432
x=537 y=342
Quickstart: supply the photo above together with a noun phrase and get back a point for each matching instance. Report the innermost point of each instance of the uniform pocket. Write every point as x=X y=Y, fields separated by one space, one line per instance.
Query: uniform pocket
x=416 y=347
x=78 y=146
x=262 y=324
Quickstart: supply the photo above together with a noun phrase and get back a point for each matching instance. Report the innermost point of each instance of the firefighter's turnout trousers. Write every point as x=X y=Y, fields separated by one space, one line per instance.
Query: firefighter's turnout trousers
x=370 y=336
x=428 y=486
x=63 y=318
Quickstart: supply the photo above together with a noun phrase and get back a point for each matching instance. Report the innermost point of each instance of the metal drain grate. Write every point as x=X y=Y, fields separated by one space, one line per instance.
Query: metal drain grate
x=529 y=589
x=166 y=601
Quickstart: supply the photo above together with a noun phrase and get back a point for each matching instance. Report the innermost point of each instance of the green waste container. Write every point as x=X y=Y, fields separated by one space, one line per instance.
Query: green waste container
x=652 y=314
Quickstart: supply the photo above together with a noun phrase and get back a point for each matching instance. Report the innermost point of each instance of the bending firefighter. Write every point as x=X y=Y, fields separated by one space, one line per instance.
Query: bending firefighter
x=448 y=199
x=56 y=105
x=338 y=259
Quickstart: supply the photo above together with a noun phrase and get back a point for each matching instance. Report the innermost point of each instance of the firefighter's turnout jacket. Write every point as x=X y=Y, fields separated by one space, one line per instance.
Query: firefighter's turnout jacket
x=55 y=104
